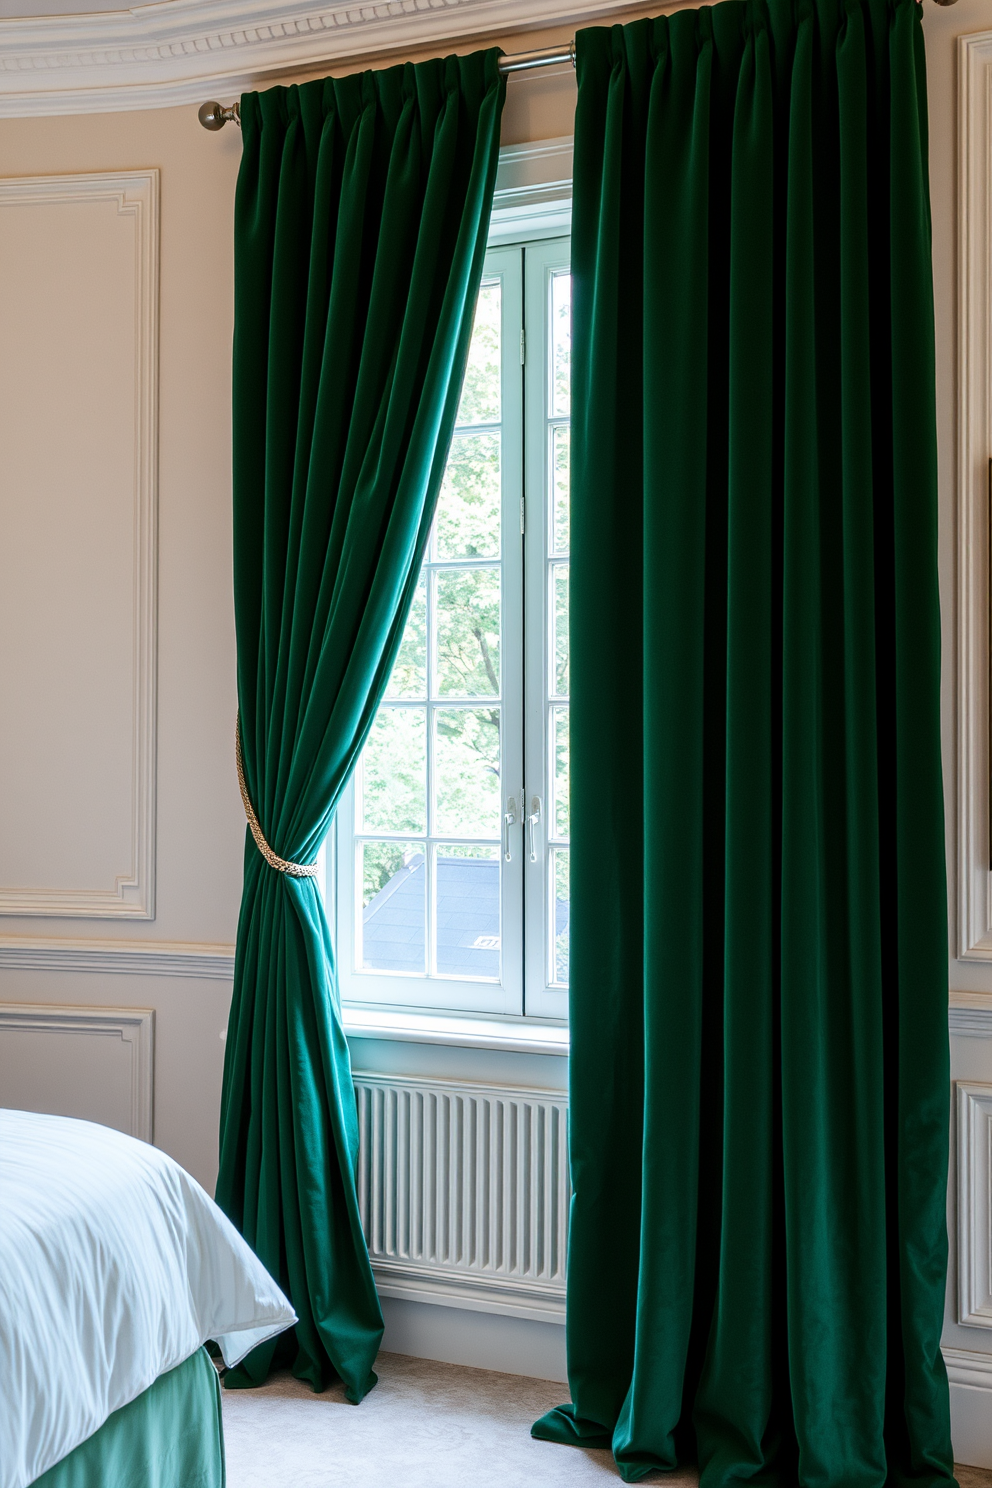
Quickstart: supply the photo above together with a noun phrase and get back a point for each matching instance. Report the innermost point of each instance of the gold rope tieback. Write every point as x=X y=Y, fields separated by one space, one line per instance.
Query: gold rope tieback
x=295 y=870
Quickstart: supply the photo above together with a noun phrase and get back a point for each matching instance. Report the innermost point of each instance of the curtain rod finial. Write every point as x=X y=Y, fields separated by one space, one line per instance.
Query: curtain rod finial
x=214 y=116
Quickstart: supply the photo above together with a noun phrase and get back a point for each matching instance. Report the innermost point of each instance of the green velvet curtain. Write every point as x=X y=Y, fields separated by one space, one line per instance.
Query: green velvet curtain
x=759 y=1066
x=361 y=219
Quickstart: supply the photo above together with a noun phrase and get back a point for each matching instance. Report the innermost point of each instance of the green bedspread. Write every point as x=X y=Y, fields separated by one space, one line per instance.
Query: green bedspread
x=170 y=1437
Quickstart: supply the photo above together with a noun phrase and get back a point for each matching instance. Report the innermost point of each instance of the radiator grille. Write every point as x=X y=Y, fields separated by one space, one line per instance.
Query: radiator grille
x=464 y=1188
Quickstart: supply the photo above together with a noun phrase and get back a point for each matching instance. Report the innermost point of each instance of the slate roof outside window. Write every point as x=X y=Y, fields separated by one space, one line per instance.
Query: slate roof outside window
x=394 y=921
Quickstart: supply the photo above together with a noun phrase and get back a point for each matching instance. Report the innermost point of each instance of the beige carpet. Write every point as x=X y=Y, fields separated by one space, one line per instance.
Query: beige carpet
x=424 y=1425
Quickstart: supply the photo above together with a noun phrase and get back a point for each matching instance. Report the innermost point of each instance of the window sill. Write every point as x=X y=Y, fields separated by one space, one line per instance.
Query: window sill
x=519 y=1036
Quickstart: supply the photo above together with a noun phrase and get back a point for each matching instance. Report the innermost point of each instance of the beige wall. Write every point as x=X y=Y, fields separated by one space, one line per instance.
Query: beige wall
x=200 y=821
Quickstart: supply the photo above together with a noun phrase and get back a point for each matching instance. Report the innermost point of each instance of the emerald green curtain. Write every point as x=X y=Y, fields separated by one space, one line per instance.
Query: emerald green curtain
x=361 y=219
x=759 y=1066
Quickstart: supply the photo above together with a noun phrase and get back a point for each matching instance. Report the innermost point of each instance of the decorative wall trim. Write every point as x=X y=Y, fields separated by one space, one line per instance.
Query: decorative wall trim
x=463 y=1192
x=974 y=889
x=135 y=1027
x=968 y=1367
x=974 y=1113
x=971 y=1014
x=179 y=51
x=136 y=194
x=125 y=957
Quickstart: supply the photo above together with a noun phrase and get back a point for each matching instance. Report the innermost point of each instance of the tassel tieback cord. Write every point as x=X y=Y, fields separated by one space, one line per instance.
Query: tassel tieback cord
x=295 y=870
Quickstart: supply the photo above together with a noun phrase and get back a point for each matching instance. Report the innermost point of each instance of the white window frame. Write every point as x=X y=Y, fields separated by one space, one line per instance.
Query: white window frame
x=429 y=989
x=542 y=997
x=532 y=203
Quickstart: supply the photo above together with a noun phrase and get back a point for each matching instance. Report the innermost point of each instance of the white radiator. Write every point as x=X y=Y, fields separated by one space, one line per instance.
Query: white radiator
x=463 y=1191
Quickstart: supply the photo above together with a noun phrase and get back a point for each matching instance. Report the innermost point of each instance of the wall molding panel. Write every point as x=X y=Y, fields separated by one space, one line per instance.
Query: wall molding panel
x=974 y=1173
x=974 y=848
x=71 y=1086
x=170 y=52
x=129 y=891
x=463 y=1192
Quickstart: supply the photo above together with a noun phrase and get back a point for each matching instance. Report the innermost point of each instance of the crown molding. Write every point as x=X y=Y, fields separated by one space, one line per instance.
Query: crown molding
x=178 y=51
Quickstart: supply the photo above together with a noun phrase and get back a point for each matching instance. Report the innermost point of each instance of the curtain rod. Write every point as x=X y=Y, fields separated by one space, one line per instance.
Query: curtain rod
x=214 y=115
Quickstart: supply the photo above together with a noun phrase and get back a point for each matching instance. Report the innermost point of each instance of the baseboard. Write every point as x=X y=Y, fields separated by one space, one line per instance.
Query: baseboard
x=478 y=1340
x=467 y=1294
x=969 y=1374
x=512 y=1345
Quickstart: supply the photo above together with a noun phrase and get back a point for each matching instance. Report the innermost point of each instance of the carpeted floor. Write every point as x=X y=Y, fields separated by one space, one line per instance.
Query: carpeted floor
x=424 y=1425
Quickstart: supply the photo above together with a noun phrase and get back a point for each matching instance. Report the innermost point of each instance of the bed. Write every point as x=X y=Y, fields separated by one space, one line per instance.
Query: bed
x=115 y=1270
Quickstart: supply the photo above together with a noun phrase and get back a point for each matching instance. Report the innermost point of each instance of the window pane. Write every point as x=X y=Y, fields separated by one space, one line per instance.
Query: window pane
x=468 y=930
x=480 y=391
x=392 y=793
x=409 y=674
x=560 y=453
x=467 y=772
x=561 y=342
x=559 y=600
x=467 y=628
x=467 y=521
x=394 y=906
x=560 y=907
x=560 y=723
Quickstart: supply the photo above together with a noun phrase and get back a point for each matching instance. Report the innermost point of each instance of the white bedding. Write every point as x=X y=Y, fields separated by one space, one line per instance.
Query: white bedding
x=114 y=1267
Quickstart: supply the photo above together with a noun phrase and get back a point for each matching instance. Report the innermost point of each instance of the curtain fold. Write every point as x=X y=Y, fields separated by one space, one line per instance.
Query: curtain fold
x=759 y=1051
x=361 y=220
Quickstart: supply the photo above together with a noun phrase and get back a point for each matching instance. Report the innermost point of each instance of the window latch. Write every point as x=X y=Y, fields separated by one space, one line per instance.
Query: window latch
x=509 y=817
x=532 y=821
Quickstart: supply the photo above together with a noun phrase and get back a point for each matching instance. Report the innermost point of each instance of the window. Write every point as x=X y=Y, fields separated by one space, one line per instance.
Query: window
x=452 y=840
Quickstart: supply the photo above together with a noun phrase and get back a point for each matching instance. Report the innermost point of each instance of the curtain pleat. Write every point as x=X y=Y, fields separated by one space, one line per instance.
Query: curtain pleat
x=759 y=1056
x=361 y=220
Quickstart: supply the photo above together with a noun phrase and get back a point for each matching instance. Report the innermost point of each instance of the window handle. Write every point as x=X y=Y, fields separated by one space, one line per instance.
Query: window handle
x=532 y=821
x=509 y=817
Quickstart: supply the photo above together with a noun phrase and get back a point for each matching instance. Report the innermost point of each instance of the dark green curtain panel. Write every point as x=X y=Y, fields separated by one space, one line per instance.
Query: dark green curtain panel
x=361 y=219
x=759 y=1066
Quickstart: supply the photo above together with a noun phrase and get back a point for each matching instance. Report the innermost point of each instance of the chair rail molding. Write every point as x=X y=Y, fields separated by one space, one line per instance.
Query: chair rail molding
x=974 y=1143
x=974 y=887
x=171 y=51
x=132 y=1028
x=970 y=1014
x=129 y=892
x=118 y=957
